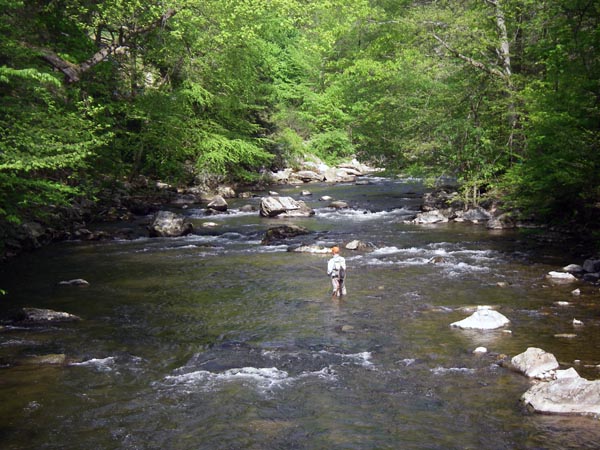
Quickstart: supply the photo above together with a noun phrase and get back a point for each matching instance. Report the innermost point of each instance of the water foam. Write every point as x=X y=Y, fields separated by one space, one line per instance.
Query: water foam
x=103 y=364
x=446 y=370
x=261 y=378
x=362 y=358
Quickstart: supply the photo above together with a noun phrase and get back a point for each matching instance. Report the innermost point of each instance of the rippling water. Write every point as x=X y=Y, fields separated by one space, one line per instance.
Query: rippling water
x=214 y=341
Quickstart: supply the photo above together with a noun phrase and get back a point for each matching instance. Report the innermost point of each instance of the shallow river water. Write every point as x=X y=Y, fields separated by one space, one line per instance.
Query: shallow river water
x=214 y=341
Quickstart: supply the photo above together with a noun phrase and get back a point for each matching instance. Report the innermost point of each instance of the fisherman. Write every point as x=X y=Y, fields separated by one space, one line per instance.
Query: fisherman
x=336 y=269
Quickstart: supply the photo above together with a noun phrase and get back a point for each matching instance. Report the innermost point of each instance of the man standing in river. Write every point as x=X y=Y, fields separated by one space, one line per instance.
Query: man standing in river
x=336 y=269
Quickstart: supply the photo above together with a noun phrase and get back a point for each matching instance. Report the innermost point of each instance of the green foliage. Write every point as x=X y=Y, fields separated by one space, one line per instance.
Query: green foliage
x=290 y=147
x=234 y=86
x=44 y=145
x=331 y=146
x=234 y=157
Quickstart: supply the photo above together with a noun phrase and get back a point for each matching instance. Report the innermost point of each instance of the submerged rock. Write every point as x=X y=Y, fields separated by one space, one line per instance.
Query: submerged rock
x=75 y=282
x=310 y=249
x=483 y=319
x=47 y=315
x=53 y=359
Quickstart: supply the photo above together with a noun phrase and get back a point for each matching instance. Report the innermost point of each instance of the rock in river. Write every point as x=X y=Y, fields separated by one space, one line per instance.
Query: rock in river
x=283 y=232
x=284 y=207
x=47 y=315
x=169 y=224
x=535 y=363
x=483 y=319
x=567 y=394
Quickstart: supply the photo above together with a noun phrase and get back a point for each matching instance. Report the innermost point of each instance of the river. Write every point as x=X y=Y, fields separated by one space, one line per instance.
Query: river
x=214 y=341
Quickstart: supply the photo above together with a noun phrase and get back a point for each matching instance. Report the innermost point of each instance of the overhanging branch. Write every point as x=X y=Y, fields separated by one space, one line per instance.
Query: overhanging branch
x=73 y=71
x=473 y=62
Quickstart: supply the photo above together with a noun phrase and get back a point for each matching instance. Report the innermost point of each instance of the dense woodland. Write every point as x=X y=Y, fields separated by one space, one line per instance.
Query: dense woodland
x=503 y=95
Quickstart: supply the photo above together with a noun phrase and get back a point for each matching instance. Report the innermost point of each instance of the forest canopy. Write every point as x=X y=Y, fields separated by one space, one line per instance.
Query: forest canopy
x=503 y=95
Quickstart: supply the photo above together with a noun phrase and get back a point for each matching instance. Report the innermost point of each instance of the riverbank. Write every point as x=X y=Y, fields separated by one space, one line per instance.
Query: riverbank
x=122 y=210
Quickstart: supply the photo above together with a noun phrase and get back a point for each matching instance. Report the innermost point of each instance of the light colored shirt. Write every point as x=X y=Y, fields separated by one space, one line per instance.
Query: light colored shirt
x=334 y=264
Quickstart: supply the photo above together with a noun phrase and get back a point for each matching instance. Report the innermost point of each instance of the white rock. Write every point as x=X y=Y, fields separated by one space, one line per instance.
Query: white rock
x=561 y=276
x=577 y=322
x=535 y=363
x=480 y=350
x=565 y=374
x=567 y=394
x=482 y=319
x=430 y=217
x=576 y=292
x=573 y=268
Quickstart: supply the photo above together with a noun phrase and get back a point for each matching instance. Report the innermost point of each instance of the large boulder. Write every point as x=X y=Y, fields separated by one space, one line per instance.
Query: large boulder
x=482 y=319
x=568 y=393
x=592 y=265
x=430 y=217
x=360 y=246
x=476 y=215
x=284 y=207
x=337 y=175
x=306 y=176
x=535 y=363
x=283 y=232
x=217 y=203
x=169 y=224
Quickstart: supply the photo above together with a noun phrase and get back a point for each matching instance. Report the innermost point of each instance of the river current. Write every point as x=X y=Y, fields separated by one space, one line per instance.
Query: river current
x=215 y=341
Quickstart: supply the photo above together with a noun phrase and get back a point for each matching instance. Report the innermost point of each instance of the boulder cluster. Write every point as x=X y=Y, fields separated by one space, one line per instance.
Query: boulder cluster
x=554 y=391
x=318 y=171
x=589 y=271
x=446 y=205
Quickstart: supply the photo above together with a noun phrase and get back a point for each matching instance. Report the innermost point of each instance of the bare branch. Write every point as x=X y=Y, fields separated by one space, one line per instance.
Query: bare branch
x=477 y=64
x=73 y=72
